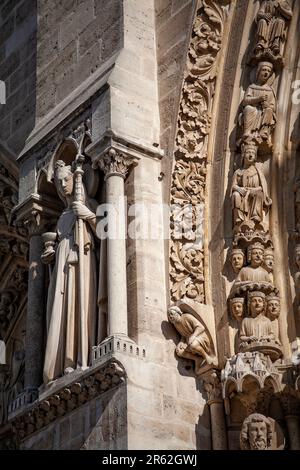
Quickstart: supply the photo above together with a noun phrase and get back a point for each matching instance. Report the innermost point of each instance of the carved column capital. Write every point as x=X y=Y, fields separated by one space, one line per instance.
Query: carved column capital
x=213 y=387
x=116 y=163
x=36 y=215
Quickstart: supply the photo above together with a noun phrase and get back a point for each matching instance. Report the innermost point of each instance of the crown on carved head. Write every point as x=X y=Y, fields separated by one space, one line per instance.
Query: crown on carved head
x=256 y=293
x=272 y=297
x=254 y=246
x=265 y=63
x=237 y=250
x=250 y=145
x=234 y=300
x=60 y=166
x=269 y=251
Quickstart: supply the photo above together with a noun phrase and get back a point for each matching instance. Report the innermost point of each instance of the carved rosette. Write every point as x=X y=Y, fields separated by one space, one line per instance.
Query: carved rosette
x=117 y=163
x=190 y=169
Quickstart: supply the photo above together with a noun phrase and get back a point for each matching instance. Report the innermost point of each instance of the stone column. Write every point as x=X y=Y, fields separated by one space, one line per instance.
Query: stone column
x=35 y=321
x=116 y=165
x=291 y=408
x=212 y=386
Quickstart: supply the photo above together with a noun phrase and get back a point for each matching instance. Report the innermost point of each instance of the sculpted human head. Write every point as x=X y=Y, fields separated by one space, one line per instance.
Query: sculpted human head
x=256 y=303
x=64 y=179
x=174 y=314
x=237 y=259
x=256 y=433
x=269 y=260
x=264 y=72
x=256 y=254
x=249 y=154
x=273 y=307
x=237 y=307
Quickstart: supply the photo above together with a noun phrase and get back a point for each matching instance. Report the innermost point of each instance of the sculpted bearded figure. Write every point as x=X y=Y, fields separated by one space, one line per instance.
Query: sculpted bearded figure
x=256 y=433
x=258 y=117
x=249 y=194
x=63 y=348
x=271 y=25
x=195 y=343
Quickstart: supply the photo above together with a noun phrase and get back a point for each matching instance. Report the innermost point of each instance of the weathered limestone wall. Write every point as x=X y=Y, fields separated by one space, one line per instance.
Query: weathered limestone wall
x=74 y=39
x=18 y=23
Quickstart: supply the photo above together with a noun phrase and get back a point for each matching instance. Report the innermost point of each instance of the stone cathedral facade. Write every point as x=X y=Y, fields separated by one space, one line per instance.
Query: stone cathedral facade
x=150 y=224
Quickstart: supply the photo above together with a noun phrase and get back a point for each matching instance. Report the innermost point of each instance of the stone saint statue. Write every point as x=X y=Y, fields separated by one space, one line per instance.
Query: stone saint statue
x=273 y=307
x=256 y=433
x=258 y=117
x=268 y=263
x=255 y=272
x=249 y=194
x=271 y=25
x=257 y=327
x=64 y=325
x=195 y=343
x=237 y=259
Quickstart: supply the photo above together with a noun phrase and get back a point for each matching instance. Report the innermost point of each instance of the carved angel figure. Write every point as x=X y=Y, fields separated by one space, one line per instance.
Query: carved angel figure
x=63 y=349
x=271 y=25
x=249 y=194
x=258 y=117
x=195 y=343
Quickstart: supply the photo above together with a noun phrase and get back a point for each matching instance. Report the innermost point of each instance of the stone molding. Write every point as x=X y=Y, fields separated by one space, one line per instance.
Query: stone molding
x=188 y=184
x=63 y=397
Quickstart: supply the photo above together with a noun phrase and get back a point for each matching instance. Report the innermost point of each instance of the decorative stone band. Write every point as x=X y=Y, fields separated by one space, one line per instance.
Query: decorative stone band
x=116 y=163
x=115 y=345
x=188 y=186
x=65 y=397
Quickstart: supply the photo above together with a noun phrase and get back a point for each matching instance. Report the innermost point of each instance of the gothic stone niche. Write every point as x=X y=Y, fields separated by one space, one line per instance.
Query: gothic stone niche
x=261 y=433
x=72 y=292
x=197 y=342
x=272 y=22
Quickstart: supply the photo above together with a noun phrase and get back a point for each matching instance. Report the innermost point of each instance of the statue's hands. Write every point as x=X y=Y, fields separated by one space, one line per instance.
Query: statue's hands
x=242 y=191
x=48 y=256
x=81 y=211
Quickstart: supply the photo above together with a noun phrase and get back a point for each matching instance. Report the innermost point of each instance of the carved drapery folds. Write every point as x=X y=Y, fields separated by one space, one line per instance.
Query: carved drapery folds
x=189 y=173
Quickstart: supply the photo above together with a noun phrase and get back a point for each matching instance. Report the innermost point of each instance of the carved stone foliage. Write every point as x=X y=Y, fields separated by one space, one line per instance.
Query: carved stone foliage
x=114 y=162
x=189 y=174
x=272 y=22
x=261 y=433
x=196 y=340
